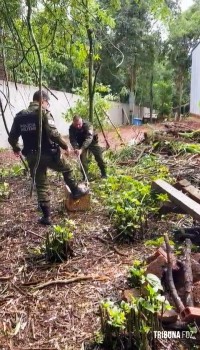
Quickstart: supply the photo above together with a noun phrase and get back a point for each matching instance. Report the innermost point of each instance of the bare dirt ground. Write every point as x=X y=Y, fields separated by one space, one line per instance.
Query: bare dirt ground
x=62 y=315
x=131 y=132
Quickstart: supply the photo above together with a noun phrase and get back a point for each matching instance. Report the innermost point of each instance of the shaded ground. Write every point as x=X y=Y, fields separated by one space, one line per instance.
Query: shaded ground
x=59 y=316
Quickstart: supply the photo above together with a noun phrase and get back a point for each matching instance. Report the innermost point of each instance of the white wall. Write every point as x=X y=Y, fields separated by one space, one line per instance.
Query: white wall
x=195 y=82
x=19 y=99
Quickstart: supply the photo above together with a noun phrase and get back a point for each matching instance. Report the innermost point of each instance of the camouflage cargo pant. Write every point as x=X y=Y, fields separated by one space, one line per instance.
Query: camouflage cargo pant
x=59 y=164
x=96 y=150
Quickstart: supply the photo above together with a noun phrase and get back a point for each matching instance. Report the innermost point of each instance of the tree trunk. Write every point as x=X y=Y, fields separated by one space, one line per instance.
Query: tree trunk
x=180 y=97
x=151 y=96
x=90 y=76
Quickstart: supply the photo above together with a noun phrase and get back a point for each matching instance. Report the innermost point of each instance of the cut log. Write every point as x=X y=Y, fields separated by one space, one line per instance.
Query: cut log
x=81 y=204
x=177 y=300
x=188 y=276
x=177 y=197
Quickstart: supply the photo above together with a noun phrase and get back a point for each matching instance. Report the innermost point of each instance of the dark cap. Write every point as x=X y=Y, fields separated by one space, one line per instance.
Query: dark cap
x=36 y=96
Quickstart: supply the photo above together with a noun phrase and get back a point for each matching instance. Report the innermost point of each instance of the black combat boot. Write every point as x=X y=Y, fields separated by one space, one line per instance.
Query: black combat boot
x=45 y=219
x=103 y=173
x=76 y=191
x=79 y=192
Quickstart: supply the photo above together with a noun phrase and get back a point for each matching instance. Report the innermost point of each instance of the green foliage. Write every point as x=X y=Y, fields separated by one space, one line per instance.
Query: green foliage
x=172 y=147
x=127 y=47
x=157 y=242
x=163 y=88
x=148 y=168
x=128 y=198
x=13 y=171
x=187 y=148
x=137 y=272
x=81 y=107
x=129 y=203
x=4 y=190
x=59 y=241
x=138 y=319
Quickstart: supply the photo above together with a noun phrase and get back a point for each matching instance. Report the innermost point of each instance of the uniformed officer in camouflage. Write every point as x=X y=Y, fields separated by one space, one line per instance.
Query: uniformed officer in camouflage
x=26 y=125
x=83 y=139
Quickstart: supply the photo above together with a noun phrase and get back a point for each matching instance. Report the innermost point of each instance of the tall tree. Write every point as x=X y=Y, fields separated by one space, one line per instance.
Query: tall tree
x=184 y=35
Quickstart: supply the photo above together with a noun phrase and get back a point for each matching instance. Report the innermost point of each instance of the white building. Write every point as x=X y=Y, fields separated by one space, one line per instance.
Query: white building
x=195 y=82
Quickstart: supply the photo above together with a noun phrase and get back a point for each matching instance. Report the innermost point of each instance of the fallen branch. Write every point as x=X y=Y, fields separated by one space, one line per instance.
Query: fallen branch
x=5 y=278
x=71 y=280
x=35 y=234
x=111 y=246
x=177 y=300
x=188 y=276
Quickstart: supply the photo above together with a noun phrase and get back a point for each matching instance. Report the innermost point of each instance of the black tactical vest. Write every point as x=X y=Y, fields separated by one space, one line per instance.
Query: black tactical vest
x=28 y=124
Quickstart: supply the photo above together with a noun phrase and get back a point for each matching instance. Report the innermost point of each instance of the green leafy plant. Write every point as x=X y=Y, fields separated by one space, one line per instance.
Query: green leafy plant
x=16 y=170
x=59 y=242
x=133 y=323
x=137 y=272
x=13 y=171
x=157 y=242
x=4 y=190
x=129 y=202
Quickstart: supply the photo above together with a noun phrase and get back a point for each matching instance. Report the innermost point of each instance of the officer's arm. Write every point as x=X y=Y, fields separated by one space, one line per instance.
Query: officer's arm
x=89 y=137
x=14 y=137
x=72 y=138
x=52 y=131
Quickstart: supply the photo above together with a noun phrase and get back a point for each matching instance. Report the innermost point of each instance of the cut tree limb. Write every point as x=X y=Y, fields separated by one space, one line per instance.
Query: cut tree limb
x=188 y=276
x=177 y=300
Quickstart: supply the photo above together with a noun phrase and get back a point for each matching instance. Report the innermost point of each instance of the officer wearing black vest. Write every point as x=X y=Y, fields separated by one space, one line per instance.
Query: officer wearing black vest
x=26 y=125
x=83 y=139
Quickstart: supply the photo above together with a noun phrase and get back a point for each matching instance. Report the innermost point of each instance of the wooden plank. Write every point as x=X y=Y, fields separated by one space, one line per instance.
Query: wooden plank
x=177 y=197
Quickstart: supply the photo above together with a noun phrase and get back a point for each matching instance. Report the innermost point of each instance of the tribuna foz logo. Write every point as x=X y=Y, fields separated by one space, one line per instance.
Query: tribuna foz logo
x=174 y=335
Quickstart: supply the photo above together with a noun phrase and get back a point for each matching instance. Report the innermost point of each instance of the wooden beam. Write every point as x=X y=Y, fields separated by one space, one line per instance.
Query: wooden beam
x=177 y=197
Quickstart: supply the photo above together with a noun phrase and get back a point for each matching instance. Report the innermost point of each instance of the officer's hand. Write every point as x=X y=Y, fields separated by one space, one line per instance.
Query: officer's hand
x=67 y=152
x=78 y=152
x=17 y=154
